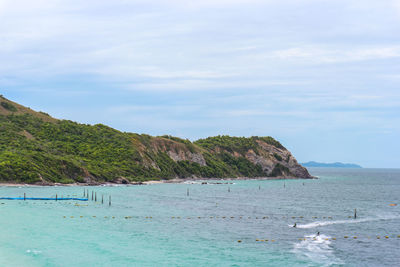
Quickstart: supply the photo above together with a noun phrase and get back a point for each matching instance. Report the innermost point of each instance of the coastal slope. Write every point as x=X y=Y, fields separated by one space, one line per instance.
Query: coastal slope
x=38 y=149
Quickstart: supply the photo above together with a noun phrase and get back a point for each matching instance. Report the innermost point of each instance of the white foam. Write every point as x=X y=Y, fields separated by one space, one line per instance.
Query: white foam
x=317 y=249
x=191 y=182
x=324 y=223
x=35 y=252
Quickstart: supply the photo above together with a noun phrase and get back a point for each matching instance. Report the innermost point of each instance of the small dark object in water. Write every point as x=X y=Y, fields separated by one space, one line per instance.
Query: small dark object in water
x=295 y=225
x=318 y=234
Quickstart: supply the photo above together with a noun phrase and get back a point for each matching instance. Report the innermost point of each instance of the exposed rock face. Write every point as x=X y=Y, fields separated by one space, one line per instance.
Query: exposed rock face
x=187 y=155
x=274 y=161
x=178 y=151
x=269 y=156
x=297 y=169
x=266 y=164
x=121 y=180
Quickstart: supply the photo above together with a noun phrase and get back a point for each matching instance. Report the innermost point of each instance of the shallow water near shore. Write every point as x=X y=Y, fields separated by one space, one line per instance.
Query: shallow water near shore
x=159 y=225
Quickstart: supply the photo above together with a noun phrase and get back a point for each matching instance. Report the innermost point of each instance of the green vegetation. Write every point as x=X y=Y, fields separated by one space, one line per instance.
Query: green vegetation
x=238 y=144
x=186 y=142
x=8 y=106
x=44 y=113
x=280 y=170
x=36 y=148
x=278 y=157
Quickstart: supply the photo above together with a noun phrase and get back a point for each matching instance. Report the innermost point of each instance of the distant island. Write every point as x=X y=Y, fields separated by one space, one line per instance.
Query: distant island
x=38 y=149
x=330 y=165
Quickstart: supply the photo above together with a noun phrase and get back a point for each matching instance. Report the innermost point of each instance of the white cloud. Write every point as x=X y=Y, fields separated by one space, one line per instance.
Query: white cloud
x=326 y=55
x=166 y=48
x=222 y=66
x=396 y=5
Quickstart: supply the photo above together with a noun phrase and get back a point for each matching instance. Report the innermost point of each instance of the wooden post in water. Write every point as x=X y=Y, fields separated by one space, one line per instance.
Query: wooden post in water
x=102 y=199
x=284 y=185
x=24 y=196
x=259 y=187
x=187 y=192
x=109 y=201
x=355 y=213
x=56 y=197
x=229 y=189
x=92 y=195
x=95 y=196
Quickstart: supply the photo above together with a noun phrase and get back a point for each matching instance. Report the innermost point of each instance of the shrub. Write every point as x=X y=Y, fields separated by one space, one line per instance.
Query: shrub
x=278 y=157
x=9 y=106
x=280 y=170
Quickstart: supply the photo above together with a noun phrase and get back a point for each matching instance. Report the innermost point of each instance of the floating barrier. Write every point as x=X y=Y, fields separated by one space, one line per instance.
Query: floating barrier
x=231 y=218
x=315 y=238
x=44 y=198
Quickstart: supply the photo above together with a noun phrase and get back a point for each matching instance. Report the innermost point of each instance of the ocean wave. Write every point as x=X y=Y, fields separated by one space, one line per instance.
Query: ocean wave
x=33 y=251
x=202 y=182
x=317 y=248
x=191 y=182
x=325 y=223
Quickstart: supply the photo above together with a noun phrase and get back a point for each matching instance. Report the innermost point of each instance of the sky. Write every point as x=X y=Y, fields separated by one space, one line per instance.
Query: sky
x=322 y=77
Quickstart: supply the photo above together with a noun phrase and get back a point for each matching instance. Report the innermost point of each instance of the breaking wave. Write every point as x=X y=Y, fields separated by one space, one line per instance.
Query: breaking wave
x=324 y=223
x=317 y=248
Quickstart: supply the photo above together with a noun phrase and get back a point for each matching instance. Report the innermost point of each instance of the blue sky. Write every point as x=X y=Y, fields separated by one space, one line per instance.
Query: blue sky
x=322 y=77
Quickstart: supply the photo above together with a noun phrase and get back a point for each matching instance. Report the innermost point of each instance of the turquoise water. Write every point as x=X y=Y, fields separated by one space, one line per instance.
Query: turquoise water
x=212 y=220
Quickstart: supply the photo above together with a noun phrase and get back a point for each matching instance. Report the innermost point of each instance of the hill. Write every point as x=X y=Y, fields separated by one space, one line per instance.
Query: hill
x=330 y=165
x=38 y=149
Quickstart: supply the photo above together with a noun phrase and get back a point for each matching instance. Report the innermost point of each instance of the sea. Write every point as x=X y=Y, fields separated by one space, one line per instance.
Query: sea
x=209 y=223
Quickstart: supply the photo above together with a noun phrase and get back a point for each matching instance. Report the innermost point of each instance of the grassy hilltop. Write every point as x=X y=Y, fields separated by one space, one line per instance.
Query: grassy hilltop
x=36 y=148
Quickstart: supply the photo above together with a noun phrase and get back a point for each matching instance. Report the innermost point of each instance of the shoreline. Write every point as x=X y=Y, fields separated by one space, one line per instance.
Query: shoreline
x=152 y=182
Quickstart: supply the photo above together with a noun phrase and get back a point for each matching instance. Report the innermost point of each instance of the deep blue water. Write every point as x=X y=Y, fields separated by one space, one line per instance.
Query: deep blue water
x=159 y=225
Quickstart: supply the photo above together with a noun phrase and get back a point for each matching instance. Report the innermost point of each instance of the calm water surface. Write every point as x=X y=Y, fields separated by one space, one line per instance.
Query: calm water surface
x=159 y=225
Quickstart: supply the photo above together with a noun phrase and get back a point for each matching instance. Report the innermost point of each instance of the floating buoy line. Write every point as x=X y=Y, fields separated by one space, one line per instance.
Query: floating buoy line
x=317 y=238
x=57 y=198
x=44 y=198
x=258 y=240
x=222 y=217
